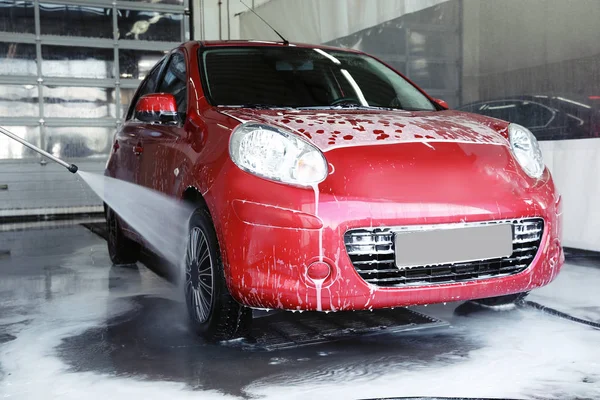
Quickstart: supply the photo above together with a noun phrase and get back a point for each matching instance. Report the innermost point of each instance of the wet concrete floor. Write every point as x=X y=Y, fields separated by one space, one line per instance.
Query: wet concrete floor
x=73 y=326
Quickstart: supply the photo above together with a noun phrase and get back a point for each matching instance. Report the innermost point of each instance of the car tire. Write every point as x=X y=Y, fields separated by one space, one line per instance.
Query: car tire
x=213 y=313
x=501 y=300
x=121 y=250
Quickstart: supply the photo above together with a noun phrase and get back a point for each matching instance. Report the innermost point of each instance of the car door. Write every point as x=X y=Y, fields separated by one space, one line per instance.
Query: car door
x=159 y=140
x=126 y=146
x=127 y=142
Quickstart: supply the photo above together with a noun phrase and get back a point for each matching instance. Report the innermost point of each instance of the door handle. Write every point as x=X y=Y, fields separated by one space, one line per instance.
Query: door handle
x=138 y=149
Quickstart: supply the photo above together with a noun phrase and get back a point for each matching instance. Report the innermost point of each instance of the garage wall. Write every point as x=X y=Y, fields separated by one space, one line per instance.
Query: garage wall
x=320 y=21
x=208 y=13
x=68 y=69
x=29 y=188
x=545 y=48
x=535 y=45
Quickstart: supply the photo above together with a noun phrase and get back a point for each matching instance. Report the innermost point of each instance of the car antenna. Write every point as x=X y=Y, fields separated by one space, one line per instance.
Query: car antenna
x=285 y=42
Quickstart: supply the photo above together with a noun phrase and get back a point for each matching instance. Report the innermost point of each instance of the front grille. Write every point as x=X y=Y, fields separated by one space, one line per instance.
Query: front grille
x=371 y=251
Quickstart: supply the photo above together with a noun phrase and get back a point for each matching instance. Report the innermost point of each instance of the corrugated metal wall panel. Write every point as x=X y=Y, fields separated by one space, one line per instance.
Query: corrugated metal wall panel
x=68 y=69
x=30 y=185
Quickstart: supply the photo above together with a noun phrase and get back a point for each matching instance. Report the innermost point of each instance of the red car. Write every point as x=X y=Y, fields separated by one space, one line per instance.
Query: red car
x=324 y=180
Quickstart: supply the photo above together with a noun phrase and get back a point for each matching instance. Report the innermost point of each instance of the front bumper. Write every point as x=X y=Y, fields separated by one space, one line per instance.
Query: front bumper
x=269 y=271
x=268 y=242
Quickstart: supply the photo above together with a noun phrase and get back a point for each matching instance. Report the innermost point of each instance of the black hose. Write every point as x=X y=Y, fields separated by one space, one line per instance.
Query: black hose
x=560 y=314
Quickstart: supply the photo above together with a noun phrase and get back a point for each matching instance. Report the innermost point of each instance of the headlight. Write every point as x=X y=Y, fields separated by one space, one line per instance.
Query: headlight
x=526 y=150
x=275 y=154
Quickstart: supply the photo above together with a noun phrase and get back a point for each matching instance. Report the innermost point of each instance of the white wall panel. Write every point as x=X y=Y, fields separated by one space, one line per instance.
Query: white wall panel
x=574 y=165
x=206 y=18
x=319 y=21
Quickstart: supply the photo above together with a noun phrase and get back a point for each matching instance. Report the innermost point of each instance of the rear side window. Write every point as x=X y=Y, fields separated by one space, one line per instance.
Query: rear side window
x=175 y=81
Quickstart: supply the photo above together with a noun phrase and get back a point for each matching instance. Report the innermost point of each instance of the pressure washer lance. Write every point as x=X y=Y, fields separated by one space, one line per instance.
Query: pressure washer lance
x=71 y=167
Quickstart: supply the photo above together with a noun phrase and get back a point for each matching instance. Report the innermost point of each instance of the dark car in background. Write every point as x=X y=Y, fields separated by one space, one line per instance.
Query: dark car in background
x=547 y=116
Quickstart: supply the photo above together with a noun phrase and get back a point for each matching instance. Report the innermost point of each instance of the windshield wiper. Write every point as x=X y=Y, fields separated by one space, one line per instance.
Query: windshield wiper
x=257 y=106
x=348 y=106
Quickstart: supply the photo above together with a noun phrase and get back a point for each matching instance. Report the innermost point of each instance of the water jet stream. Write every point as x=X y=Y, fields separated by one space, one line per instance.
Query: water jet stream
x=161 y=220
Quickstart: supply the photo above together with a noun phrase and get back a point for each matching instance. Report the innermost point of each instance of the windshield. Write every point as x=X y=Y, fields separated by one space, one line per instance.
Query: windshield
x=304 y=77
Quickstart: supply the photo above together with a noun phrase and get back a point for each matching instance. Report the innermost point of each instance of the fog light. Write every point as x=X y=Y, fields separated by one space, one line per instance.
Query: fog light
x=318 y=271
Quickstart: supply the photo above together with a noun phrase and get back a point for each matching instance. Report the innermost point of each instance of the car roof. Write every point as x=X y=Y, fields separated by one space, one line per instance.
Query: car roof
x=268 y=43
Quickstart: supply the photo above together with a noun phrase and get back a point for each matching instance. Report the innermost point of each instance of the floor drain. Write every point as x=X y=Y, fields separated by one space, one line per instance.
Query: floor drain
x=284 y=330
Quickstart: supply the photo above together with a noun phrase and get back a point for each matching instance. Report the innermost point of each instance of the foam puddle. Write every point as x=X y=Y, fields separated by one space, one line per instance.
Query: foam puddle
x=161 y=220
x=30 y=365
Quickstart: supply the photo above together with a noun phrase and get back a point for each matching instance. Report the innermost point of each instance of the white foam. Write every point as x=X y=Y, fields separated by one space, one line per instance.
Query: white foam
x=519 y=354
x=30 y=365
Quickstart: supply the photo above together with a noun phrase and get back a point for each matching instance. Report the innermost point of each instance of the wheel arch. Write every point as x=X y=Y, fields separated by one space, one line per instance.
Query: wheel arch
x=193 y=196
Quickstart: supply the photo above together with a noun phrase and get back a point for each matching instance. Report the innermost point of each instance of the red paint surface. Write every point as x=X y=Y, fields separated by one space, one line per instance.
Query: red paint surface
x=388 y=168
x=442 y=103
x=157 y=102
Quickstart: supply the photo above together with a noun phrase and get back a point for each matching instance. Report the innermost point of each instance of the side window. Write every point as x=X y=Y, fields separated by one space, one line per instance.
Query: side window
x=175 y=81
x=147 y=86
x=504 y=110
x=532 y=115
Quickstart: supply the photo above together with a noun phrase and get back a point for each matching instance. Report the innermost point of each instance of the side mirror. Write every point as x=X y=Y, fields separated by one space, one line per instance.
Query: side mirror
x=158 y=108
x=442 y=103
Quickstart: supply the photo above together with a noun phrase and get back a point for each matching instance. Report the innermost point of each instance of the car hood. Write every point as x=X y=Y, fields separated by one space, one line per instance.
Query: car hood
x=334 y=128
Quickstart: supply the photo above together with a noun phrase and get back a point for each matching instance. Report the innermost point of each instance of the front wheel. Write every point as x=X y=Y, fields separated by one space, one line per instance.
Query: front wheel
x=213 y=313
x=501 y=300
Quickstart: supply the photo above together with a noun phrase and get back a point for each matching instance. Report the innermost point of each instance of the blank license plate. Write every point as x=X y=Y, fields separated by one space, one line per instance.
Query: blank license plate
x=447 y=246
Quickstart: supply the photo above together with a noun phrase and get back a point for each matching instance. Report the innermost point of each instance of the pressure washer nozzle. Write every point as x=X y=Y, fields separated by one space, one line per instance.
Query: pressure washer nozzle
x=72 y=168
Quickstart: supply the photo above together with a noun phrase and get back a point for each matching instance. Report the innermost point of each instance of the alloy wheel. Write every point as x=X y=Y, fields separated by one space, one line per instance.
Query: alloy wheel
x=199 y=276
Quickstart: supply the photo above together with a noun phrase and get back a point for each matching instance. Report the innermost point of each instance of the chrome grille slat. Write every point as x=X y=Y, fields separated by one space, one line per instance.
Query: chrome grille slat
x=527 y=231
x=376 y=271
x=371 y=234
x=521 y=241
x=520 y=250
x=373 y=262
x=369 y=243
x=373 y=256
x=365 y=253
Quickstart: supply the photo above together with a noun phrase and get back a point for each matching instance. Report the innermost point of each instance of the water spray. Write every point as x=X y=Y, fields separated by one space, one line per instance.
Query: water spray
x=70 y=167
x=160 y=219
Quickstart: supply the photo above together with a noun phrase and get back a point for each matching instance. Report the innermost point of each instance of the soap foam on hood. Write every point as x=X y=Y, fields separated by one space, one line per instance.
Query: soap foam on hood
x=333 y=128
